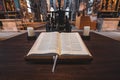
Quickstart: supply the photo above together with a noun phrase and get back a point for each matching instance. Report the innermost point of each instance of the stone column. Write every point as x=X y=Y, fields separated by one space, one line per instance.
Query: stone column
x=43 y=9
x=48 y=5
x=54 y=4
x=73 y=9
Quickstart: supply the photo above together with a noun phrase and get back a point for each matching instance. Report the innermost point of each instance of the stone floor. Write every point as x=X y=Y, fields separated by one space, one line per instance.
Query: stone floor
x=111 y=34
x=9 y=34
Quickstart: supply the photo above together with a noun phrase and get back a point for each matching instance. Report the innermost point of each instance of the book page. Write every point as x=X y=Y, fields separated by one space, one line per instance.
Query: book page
x=47 y=43
x=72 y=44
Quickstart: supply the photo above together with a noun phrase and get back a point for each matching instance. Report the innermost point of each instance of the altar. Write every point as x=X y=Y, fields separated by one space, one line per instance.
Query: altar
x=33 y=24
x=11 y=24
x=105 y=64
x=18 y=24
x=108 y=15
x=109 y=24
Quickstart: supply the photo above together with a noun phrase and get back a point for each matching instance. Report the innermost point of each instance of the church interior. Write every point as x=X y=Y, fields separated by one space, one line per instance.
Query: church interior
x=96 y=21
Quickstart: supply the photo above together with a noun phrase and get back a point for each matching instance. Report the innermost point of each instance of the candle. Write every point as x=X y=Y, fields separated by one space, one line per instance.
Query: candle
x=86 y=30
x=30 y=31
x=41 y=17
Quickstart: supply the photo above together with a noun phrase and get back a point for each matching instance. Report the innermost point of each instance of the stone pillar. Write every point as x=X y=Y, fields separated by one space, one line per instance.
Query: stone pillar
x=48 y=5
x=67 y=3
x=73 y=9
x=54 y=4
x=43 y=9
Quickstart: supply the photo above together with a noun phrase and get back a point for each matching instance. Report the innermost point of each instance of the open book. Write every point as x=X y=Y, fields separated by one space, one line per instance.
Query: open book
x=55 y=43
x=60 y=46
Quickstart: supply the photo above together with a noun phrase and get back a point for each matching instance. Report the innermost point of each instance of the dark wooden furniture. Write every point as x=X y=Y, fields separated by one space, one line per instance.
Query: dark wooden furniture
x=82 y=21
x=33 y=24
x=109 y=9
x=105 y=65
